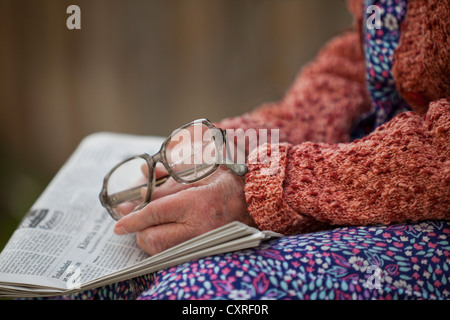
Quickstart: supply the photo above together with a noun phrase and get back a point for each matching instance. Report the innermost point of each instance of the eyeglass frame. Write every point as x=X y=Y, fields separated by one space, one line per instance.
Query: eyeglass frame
x=239 y=169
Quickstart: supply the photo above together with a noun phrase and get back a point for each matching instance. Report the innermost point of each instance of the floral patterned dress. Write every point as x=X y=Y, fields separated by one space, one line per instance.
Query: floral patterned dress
x=407 y=261
x=381 y=37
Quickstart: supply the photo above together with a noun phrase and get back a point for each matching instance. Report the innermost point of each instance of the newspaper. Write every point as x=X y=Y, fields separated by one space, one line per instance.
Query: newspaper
x=66 y=243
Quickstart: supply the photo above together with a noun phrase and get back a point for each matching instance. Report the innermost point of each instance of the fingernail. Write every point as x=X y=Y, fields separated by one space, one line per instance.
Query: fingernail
x=119 y=230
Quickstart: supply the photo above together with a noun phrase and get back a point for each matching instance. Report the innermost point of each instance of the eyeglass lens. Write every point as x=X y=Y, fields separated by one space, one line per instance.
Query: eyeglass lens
x=192 y=152
x=128 y=187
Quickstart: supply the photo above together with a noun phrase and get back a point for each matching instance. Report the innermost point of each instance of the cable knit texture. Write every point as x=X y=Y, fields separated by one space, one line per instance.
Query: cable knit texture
x=398 y=173
x=394 y=175
x=424 y=53
x=265 y=193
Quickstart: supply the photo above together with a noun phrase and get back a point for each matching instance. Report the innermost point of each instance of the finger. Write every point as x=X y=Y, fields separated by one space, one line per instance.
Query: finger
x=145 y=170
x=166 y=184
x=162 y=178
x=156 y=239
x=160 y=171
x=125 y=208
x=171 y=208
x=168 y=188
x=172 y=187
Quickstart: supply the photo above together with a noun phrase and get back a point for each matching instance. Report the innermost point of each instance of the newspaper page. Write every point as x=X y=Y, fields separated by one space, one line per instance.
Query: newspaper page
x=67 y=239
x=66 y=243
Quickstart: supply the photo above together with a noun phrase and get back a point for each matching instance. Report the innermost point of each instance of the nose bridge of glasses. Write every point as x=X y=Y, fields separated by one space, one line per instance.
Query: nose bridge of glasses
x=157 y=157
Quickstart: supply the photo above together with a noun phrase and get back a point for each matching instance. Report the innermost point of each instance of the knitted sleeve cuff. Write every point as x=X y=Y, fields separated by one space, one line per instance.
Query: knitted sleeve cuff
x=264 y=192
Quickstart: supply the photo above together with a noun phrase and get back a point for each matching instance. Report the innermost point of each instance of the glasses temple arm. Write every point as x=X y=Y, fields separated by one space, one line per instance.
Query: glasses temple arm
x=125 y=196
x=238 y=168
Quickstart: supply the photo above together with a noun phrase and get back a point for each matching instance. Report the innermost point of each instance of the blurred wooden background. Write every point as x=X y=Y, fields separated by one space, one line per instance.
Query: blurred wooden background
x=139 y=66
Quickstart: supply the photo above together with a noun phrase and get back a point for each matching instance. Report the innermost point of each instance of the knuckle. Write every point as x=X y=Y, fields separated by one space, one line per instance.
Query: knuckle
x=152 y=243
x=142 y=244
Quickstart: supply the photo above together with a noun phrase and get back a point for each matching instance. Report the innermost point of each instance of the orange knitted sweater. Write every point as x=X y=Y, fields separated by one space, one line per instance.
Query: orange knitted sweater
x=398 y=173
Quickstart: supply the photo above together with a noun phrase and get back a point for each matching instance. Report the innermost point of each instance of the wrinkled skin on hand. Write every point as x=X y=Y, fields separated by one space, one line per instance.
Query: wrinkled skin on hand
x=180 y=212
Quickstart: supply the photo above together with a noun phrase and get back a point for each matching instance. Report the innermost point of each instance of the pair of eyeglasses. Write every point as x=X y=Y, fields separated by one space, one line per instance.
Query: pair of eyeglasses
x=191 y=153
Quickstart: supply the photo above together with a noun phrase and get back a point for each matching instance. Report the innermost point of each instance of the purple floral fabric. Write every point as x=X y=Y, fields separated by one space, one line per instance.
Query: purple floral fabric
x=404 y=261
x=381 y=38
x=408 y=261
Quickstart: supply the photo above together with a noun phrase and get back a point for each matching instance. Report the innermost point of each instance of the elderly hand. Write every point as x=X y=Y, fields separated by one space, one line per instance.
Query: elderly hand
x=180 y=212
